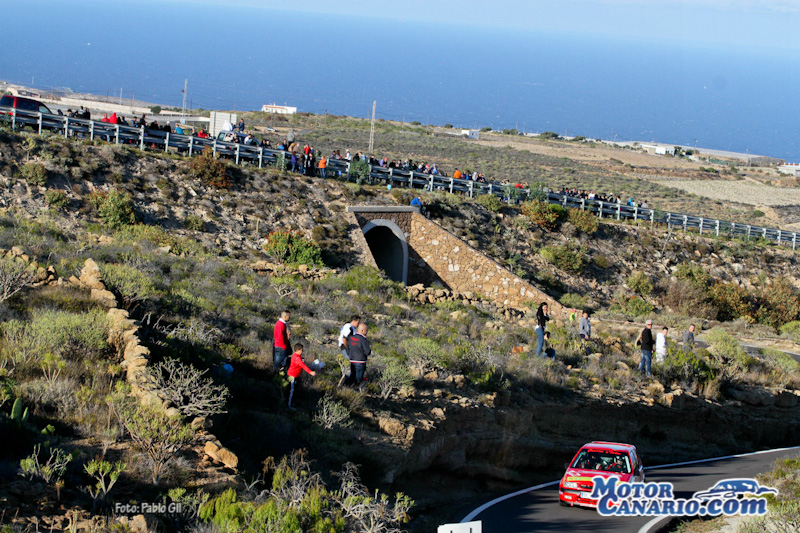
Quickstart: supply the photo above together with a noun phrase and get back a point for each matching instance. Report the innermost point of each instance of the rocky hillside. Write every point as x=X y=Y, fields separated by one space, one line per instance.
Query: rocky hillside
x=155 y=275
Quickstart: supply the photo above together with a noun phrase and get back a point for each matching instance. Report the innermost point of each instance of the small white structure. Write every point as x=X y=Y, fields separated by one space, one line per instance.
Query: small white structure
x=278 y=109
x=466 y=527
x=792 y=169
x=658 y=149
x=471 y=134
x=218 y=120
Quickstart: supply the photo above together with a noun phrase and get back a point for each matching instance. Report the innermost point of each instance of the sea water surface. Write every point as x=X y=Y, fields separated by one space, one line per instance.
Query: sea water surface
x=738 y=99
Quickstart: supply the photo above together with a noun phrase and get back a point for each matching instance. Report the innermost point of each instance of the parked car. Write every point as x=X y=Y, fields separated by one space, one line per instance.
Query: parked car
x=605 y=459
x=24 y=104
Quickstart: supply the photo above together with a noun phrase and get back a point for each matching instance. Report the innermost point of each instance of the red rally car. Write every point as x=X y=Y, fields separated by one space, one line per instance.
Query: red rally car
x=597 y=458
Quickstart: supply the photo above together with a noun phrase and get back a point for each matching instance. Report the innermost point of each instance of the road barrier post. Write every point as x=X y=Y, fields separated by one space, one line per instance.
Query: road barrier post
x=166 y=142
x=701 y=225
x=41 y=119
x=600 y=213
x=717 y=227
x=66 y=128
x=141 y=138
x=260 y=156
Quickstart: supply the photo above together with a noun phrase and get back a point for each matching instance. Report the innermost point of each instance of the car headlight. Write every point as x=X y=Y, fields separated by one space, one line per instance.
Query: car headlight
x=570 y=485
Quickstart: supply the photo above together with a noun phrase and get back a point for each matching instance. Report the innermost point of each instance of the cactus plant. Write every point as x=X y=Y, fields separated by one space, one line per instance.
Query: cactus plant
x=16 y=411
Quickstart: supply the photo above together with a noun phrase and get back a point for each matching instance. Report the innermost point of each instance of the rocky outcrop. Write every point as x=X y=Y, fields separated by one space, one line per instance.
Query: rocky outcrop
x=303 y=271
x=41 y=275
x=432 y=295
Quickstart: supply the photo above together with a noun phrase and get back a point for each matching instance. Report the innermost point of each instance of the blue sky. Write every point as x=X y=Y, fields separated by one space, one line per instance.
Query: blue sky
x=767 y=23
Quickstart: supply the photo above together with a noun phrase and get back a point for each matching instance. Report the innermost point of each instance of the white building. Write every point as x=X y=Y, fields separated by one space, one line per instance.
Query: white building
x=658 y=149
x=471 y=134
x=793 y=169
x=278 y=109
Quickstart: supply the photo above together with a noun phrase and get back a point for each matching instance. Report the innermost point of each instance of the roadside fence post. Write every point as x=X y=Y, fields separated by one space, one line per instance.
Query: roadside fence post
x=748 y=232
x=260 y=156
x=600 y=213
x=66 y=127
x=191 y=145
x=685 y=222
x=717 y=227
x=451 y=185
x=116 y=133
x=141 y=138
x=41 y=119
x=701 y=225
x=619 y=211
x=166 y=142
x=669 y=221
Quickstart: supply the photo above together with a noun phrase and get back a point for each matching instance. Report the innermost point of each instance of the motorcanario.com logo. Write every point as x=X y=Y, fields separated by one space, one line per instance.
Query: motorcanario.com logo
x=728 y=497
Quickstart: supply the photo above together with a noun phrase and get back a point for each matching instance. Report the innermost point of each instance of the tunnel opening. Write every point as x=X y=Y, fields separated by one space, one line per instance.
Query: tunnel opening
x=389 y=250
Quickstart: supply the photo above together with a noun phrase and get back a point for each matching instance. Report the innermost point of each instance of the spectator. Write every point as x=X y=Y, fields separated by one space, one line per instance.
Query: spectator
x=417 y=201
x=661 y=345
x=105 y=118
x=293 y=162
x=142 y=121
x=295 y=366
x=290 y=137
x=645 y=340
x=548 y=350
x=456 y=174
x=322 y=165
x=280 y=341
x=202 y=133
x=249 y=140
x=240 y=125
x=358 y=351
x=585 y=331
x=113 y=118
x=688 y=338
x=345 y=333
x=541 y=324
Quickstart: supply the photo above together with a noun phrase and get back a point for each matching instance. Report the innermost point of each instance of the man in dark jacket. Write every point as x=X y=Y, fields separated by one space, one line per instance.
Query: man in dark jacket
x=647 y=342
x=358 y=350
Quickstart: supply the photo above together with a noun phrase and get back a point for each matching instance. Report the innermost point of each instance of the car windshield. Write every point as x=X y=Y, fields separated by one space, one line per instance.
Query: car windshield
x=603 y=460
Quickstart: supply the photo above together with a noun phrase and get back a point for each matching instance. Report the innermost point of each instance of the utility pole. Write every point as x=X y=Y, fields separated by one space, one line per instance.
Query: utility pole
x=372 y=127
x=184 y=91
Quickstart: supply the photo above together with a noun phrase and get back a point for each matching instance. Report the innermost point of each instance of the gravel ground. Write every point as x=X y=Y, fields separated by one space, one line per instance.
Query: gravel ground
x=738 y=191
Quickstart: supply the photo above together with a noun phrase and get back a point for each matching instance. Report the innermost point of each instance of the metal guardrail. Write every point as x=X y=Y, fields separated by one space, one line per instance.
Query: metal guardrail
x=146 y=139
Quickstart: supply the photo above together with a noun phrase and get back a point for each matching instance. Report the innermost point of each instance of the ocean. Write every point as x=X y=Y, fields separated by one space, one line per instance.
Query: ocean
x=726 y=98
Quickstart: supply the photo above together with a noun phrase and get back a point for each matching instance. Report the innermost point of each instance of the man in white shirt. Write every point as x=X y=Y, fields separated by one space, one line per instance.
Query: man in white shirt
x=661 y=345
x=347 y=330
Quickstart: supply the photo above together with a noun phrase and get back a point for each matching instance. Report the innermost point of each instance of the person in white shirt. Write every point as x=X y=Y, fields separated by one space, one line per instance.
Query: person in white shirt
x=661 y=345
x=347 y=330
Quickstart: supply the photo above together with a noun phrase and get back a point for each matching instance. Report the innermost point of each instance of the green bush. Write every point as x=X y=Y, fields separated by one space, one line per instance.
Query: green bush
x=364 y=279
x=575 y=301
x=694 y=274
x=728 y=350
x=633 y=306
x=210 y=170
x=114 y=207
x=640 y=283
x=601 y=261
x=293 y=248
x=195 y=223
x=490 y=202
x=34 y=174
x=781 y=361
x=132 y=284
x=56 y=199
x=792 y=329
x=75 y=336
x=687 y=367
x=584 y=221
x=778 y=304
x=541 y=214
x=359 y=170
x=732 y=301
x=423 y=354
x=564 y=257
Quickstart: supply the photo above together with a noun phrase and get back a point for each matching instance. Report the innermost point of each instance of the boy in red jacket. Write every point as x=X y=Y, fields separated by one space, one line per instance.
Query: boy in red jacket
x=295 y=366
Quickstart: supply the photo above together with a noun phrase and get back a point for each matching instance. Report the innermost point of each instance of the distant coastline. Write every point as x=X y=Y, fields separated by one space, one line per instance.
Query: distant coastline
x=109 y=103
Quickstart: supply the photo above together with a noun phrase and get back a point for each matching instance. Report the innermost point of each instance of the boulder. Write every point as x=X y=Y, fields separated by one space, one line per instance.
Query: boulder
x=221 y=454
x=392 y=427
x=786 y=398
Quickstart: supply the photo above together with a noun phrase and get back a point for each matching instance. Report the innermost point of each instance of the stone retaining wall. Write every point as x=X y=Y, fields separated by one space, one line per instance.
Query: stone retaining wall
x=465 y=269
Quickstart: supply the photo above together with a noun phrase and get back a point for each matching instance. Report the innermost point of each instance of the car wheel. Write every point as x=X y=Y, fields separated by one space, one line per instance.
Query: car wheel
x=562 y=503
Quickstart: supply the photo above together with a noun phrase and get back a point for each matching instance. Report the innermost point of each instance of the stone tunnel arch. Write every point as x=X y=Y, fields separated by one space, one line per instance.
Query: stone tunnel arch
x=388 y=245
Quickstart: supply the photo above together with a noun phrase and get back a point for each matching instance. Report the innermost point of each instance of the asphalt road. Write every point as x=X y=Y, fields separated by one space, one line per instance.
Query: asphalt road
x=538 y=510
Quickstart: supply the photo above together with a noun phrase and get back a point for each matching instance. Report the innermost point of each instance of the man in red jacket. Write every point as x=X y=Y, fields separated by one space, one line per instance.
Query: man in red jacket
x=280 y=341
x=295 y=367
